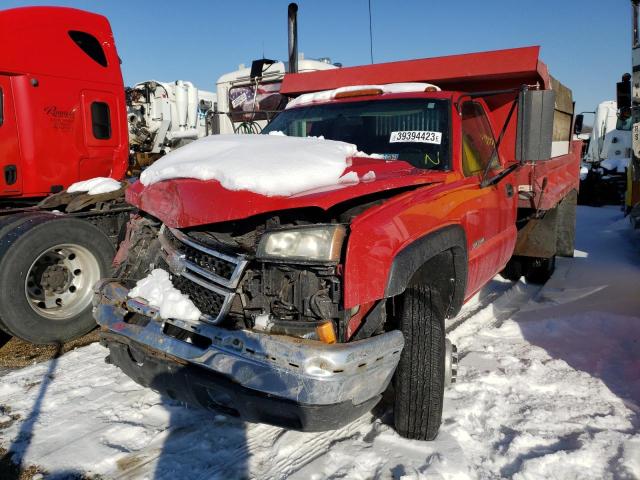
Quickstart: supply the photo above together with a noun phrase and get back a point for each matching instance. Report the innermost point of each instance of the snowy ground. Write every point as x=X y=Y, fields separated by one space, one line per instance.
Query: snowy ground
x=549 y=387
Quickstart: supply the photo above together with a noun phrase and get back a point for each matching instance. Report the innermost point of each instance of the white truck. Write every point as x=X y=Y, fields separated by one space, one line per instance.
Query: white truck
x=164 y=116
x=603 y=171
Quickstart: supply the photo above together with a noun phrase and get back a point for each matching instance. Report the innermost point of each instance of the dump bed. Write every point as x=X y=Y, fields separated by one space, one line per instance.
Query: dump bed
x=473 y=73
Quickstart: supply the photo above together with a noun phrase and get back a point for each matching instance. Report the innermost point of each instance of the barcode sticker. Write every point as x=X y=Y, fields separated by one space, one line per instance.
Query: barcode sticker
x=417 y=136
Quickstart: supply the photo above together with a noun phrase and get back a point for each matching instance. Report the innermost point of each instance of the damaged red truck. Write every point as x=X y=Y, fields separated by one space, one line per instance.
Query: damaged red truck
x=475 y=174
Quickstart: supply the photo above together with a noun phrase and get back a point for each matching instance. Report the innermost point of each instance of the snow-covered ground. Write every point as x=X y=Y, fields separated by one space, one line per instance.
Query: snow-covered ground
x=549 y=387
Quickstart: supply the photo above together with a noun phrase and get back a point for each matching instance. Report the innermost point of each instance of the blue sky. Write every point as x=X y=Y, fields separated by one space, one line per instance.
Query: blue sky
x=585 y=43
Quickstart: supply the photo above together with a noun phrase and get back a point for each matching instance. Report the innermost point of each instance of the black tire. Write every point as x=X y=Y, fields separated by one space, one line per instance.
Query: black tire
x=514 y=269
x=540 y=270
x=20 y=247
x=420 y=376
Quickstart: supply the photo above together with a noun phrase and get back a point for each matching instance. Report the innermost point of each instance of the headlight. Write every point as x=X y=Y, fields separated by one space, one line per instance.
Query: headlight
x=322 y=243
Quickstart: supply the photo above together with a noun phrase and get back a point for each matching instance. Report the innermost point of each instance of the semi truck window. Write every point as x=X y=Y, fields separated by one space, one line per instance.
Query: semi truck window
x=89 y=45
x=101 y=120
x=478 y=143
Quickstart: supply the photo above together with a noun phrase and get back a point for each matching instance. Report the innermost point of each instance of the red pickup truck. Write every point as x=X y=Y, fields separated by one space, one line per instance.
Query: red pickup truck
x=313 y=303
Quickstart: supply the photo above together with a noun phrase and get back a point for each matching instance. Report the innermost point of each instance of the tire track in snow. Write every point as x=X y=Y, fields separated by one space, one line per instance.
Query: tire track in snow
x=291 y=451
x=493 y=314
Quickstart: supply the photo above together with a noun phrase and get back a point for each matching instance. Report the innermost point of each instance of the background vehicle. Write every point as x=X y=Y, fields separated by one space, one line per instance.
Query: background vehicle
x=64 y=118
x=240 y=109
x=164 y=116
x=628 y=98
x=311 y=302
x=607 y=157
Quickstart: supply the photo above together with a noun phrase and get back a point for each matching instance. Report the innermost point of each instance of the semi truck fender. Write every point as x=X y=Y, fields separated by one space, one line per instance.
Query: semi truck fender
x=439 y=258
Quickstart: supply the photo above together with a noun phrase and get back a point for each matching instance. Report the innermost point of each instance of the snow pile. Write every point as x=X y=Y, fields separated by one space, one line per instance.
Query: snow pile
x=95 y=186
x=157 y=289
x=326 y=95
x=271 y=165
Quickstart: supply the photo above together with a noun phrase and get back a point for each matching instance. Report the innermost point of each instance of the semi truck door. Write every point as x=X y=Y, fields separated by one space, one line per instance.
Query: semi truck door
x=101 y=115
x=10 y=158
x=491 y=209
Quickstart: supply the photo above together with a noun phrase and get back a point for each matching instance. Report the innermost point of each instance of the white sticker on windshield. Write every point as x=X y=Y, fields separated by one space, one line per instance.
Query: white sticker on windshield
x=418 y=136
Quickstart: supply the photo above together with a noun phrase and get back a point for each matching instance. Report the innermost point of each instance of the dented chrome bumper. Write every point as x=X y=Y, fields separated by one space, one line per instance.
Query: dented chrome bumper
x=293 y=369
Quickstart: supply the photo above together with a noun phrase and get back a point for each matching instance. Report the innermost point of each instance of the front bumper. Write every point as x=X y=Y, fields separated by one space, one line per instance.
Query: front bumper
x=281 y=380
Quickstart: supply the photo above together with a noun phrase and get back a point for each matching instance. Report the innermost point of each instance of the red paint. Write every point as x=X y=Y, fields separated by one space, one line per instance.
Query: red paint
x=470 y=72
x=47 y=133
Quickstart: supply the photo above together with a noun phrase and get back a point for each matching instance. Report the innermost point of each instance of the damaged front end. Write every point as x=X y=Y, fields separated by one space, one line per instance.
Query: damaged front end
x=271 y=343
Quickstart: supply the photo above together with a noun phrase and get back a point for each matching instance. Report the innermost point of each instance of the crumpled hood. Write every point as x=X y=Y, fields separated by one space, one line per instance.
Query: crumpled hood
x=187 y=202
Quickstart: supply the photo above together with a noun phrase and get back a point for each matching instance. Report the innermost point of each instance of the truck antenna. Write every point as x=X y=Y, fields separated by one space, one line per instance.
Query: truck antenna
x=370 y=34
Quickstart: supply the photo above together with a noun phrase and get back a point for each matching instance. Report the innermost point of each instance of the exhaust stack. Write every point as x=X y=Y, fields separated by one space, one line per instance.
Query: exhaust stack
x=292 y=14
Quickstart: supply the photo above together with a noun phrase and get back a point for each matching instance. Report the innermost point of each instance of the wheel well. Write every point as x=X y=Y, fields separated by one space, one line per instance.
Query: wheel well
x=438 y=259
x=440 y=273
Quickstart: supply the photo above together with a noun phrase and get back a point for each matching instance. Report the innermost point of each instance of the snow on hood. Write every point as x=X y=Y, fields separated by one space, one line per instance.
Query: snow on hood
x=271 y=165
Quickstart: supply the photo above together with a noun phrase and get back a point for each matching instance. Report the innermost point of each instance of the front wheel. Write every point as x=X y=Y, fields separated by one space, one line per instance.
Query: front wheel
x=48 y=267
x=420 y=376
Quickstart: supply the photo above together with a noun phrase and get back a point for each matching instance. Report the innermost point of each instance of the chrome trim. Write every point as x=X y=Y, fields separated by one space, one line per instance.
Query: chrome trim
x=304 y=371
x=226 y=304
x=239 y=262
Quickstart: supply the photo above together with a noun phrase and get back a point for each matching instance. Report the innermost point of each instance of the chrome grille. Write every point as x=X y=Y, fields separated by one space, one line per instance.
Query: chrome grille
x=207 y=276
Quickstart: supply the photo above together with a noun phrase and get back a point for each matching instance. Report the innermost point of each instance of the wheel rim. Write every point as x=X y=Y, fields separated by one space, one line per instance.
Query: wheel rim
x=450 y=363
x=59 y=283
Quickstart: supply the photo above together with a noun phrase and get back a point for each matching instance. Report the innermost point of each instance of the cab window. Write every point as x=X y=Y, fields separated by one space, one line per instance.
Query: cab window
x=100 y=120
x=478 y=142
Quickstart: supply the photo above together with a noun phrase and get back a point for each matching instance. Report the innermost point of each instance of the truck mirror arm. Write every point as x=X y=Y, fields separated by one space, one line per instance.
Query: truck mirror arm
x=493 y=180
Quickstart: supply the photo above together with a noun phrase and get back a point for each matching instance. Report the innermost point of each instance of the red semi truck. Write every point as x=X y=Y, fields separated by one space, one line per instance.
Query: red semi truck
x=474 y=173
x=62 y=120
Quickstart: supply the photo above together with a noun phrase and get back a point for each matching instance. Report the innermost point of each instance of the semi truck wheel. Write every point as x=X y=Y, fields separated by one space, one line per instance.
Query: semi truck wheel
x=420 y=376
x=48 y=266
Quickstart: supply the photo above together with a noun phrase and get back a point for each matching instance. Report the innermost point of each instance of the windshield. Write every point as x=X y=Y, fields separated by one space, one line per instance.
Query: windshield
x=414 y=130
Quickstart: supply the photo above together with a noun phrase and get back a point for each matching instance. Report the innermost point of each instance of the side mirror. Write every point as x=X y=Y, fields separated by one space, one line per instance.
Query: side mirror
x=535 y=125
x=623 y=92
x=258 y=65
x=578 y=124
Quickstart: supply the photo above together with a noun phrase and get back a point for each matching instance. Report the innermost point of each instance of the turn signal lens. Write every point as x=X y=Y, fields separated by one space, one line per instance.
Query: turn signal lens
x=326 y=332
x=431 y=88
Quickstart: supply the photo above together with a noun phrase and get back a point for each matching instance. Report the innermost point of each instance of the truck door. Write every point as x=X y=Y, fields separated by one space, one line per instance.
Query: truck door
x=10 y=159
x=101 y=116
x=491 y=210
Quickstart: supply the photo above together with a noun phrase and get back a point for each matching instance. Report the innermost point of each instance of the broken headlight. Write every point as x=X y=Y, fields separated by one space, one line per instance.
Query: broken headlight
x=318 y=243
